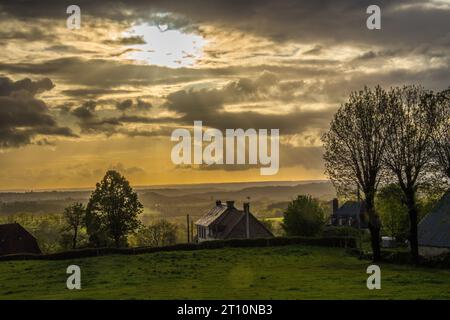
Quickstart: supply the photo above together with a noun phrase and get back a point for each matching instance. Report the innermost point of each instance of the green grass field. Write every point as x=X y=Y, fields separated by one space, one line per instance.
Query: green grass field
x=291 y=272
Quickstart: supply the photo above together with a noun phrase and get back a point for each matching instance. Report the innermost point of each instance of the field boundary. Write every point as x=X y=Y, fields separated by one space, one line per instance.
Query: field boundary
x=341 y=242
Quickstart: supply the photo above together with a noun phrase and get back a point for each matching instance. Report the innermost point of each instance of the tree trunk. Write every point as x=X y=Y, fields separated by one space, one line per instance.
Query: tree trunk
x=413 y=237
x=117 y=241
x=74 y=239
x=374 y=227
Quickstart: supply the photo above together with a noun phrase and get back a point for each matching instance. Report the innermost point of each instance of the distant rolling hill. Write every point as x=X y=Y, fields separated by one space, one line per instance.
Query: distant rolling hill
x=174 y=200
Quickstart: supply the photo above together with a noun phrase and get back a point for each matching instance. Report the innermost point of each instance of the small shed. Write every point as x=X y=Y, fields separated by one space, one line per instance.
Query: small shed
x=16 y=239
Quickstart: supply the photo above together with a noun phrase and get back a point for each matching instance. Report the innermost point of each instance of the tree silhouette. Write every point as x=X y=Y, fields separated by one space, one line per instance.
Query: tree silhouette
x=112 y=211
x=409 y=151
x=354 y=150
x=75 y=217
x=441 y=135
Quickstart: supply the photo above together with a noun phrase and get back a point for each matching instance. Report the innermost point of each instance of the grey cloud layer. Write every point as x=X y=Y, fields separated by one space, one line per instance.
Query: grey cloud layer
x=410 y=29
x=405 y=22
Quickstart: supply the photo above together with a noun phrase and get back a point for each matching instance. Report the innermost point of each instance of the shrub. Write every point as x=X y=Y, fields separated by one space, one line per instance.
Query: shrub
x=303 y=217
x=160 y=233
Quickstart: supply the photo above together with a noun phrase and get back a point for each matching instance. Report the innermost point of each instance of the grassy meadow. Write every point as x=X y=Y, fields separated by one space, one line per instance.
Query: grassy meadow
x=290 y=272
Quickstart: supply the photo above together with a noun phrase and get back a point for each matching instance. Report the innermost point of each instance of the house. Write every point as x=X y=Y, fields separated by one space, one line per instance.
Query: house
x=225 y=221
x=434 y=229
x=349 y=214
x=15 y=239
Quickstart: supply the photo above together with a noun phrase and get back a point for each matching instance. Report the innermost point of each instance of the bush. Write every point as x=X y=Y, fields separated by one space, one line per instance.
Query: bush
x=160 y=233
x=341 y=231
x=216 y=244
x=303 y=217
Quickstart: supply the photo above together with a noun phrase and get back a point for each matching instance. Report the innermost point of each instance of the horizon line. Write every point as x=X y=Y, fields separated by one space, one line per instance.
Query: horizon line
x=75 y=189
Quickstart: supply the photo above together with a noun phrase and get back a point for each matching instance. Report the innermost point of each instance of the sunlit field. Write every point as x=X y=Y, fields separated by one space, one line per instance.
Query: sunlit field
x=291 y=272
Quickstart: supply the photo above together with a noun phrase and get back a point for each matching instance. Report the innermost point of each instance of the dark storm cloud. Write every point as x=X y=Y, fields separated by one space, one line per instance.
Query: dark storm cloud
x=143 y=105
x=208 y=105
x=403 y=21
x=99 y=126
x=127 y=40
x=85 y=111
x=136 y=106
x=94 y=121
x=7 y=86
x=106 y=74
x=117 y=125
x=22 y=116
x=204 y=101
x=124 y=105
x=92 y=93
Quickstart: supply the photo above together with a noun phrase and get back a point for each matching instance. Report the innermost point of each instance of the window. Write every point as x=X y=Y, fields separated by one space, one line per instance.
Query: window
x=201 y=232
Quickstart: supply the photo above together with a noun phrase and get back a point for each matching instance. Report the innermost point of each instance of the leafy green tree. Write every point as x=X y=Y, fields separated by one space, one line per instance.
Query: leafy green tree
x=303 y=217
x=112 y=211
x=390 y=204
x=74 y=216
x=160 y=233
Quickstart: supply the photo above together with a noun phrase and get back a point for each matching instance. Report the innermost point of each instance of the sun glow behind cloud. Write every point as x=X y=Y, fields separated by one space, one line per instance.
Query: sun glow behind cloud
x=165 y=47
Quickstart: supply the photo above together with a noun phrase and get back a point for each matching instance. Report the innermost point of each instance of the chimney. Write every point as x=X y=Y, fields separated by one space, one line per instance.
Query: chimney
x=230 y=204
x=247 y=219
x=335 y=204
x=218 y=202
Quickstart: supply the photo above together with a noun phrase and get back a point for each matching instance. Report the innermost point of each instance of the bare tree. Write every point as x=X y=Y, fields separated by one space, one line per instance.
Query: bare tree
x=409 y=149
x=441 y=135
x=354 y=150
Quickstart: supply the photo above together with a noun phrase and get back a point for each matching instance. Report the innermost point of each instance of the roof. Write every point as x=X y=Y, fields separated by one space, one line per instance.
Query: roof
x=223 y=219
x=350 y=208
x=434 y=229
x=9 y=228
x=16 y=239
x=230 y=220
x=212 y=215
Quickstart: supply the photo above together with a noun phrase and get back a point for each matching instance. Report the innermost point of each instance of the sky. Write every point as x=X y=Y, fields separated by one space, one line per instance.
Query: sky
x=75 y=103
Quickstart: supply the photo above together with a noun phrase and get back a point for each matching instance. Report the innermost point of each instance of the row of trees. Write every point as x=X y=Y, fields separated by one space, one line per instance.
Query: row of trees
x=112 y=214
x=381 y=136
